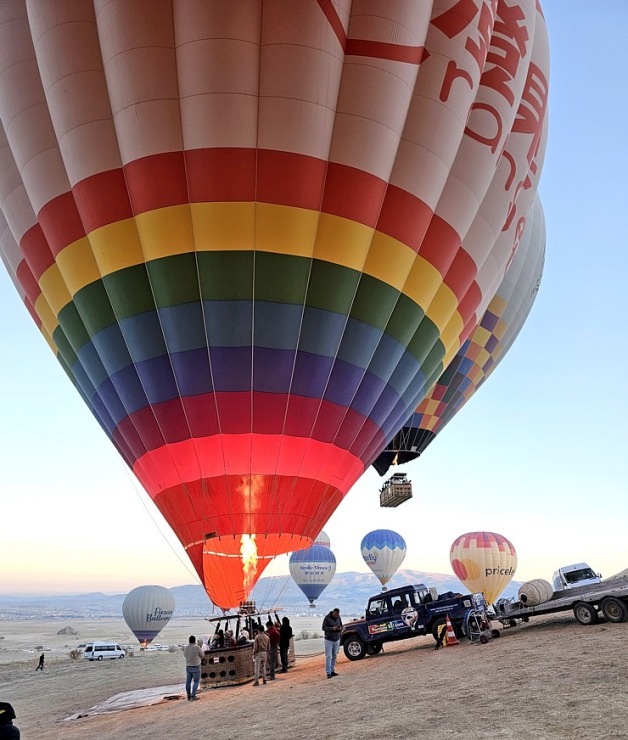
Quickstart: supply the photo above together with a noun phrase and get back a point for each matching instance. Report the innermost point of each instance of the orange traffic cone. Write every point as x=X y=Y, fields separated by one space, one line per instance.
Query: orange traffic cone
x=451 y=635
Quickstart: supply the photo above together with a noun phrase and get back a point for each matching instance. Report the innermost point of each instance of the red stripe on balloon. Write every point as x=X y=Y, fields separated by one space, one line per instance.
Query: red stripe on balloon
x=177 y=420
x=247 y=455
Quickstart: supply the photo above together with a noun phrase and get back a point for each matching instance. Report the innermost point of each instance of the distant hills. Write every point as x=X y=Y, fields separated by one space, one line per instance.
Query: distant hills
x=348 y=591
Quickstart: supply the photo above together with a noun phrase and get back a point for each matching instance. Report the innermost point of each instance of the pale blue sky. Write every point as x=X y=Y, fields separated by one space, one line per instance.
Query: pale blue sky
x=538 y=455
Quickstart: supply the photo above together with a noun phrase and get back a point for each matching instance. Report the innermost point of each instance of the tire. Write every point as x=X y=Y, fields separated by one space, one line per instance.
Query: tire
x=585 y=613
x=614 y=610
x=354 y=648
x=122 y=656
x=483 y=639
x=512 y=622
x=99 y=657
x=495 y=634
x=436 y=627
x=374 y=648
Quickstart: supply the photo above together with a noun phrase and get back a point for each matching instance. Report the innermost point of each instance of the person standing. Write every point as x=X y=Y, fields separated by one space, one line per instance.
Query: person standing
x=40 y=666
x=260 y=655
x=193 y=657
x=273 y=637
x=332 y=626
x=8 y=731
x=285 y=633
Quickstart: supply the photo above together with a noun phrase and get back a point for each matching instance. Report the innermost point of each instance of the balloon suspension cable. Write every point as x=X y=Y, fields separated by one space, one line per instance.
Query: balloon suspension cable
x=134 y=483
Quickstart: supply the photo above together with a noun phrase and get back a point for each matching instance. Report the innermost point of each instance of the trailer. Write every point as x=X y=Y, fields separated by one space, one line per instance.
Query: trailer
x=608 y=599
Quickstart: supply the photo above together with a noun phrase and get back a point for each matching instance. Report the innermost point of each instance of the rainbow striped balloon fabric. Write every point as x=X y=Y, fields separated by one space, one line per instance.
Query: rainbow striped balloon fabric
x=255 y=234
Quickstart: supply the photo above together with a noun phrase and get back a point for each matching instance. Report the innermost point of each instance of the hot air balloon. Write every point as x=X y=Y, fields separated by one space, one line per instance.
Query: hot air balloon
x=383 y=551
x=480 y=354
x=322 y=539
x=147 y=610
x=254 y=234
x=312 y=570
x=484 y=561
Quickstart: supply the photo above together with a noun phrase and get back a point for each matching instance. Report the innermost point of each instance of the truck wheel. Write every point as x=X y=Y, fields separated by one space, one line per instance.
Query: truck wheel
x=614 y=610
x=354 y=648
x=375 y=648
x=585 y=613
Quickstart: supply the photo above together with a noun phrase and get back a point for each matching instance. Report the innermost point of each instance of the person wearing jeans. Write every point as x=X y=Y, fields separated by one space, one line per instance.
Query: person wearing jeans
x=332 y=626
x=193 y=657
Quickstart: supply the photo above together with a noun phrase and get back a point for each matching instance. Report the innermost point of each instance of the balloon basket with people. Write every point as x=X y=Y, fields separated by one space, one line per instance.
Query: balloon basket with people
x=229 y=651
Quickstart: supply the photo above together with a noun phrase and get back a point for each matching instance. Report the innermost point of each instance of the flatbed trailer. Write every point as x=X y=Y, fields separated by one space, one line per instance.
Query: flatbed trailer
x=609 y=598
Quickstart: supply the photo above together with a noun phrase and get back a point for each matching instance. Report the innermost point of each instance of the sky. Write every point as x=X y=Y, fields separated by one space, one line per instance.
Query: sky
x=538 y=454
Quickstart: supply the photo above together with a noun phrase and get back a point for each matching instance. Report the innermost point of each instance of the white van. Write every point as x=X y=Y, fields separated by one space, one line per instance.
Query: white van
x=101 y=650
x=573 y=576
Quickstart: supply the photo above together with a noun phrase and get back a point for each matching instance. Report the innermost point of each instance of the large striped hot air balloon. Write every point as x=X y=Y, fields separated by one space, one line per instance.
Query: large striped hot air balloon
x=478 y=357
x=255 y=234
x=483 y=561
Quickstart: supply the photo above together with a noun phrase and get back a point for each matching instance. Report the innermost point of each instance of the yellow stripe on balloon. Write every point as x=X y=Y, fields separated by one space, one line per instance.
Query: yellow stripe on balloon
x=77 y=265
x=165 y=232
x=389 y=260
x=223 y=226
x=55 y=290
x=285 y=230
x=343 y=242
x=116 y=246
x=47 y=317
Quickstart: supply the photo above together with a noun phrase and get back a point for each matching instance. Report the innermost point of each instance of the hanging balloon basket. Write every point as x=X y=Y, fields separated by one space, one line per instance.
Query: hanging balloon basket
x=395 y=491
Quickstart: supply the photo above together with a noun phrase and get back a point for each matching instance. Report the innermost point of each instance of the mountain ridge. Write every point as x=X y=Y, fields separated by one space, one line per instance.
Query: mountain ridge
x=348 y=591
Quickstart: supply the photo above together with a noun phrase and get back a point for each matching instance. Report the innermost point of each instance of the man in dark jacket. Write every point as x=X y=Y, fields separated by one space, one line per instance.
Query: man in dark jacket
x=8 y=731
x=332 y=626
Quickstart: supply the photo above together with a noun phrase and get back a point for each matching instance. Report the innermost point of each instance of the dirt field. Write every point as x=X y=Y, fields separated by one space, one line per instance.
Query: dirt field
x=551 y=678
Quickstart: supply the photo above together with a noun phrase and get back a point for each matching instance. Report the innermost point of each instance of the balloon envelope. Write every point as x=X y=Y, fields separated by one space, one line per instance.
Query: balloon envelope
x=312 y=570
x=383 y=551
x=478 y=357
x=322 y=539
x=484 y=561
x=147 y=610
x=254 y=234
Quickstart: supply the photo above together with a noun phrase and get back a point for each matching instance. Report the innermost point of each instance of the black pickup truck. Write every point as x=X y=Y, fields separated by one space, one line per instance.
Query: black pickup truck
x=406 y=612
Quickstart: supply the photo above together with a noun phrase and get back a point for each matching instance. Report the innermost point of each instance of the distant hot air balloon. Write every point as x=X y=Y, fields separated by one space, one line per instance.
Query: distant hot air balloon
x=322 y=539
x=312 y=570
x=254 y=234
x=484 y=561
x=147 y=610
x=480 y=354
x=383 y=551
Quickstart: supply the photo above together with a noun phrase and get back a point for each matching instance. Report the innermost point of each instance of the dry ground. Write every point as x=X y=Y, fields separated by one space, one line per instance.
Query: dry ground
x=551 y=678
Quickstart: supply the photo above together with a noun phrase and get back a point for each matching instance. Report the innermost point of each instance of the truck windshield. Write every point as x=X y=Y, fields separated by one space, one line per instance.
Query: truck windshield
x=579 y=575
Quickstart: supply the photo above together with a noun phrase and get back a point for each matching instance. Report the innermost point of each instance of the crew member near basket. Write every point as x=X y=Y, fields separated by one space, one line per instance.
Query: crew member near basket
x=193 y=657
x=332 y=626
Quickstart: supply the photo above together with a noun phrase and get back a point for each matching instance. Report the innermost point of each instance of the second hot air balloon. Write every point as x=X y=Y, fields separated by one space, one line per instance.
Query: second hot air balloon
x=312 y=570
x=383 y=551
x=484 y=561
x=147 y=610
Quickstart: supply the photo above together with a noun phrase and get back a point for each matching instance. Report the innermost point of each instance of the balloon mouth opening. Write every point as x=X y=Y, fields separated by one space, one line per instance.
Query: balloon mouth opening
x=232 y=564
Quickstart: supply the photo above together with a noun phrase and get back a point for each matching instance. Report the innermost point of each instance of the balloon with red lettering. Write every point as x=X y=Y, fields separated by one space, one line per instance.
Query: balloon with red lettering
x=312 y=570
x=147 y=610
x=254 y=234
x=383 y=551
x=484 y=561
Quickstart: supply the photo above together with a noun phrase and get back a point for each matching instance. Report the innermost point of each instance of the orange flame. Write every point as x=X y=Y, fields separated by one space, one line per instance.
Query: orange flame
x=248 y=555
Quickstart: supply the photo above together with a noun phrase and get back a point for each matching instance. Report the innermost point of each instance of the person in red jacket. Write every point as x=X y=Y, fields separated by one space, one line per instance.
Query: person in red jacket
x=273 y=636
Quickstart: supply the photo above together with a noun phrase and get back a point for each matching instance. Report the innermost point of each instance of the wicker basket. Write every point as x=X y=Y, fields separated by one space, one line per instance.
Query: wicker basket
x=227 y=667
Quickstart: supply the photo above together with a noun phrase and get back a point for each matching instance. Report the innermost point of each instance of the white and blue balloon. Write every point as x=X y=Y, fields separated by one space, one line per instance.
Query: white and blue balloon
x=383 y=551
